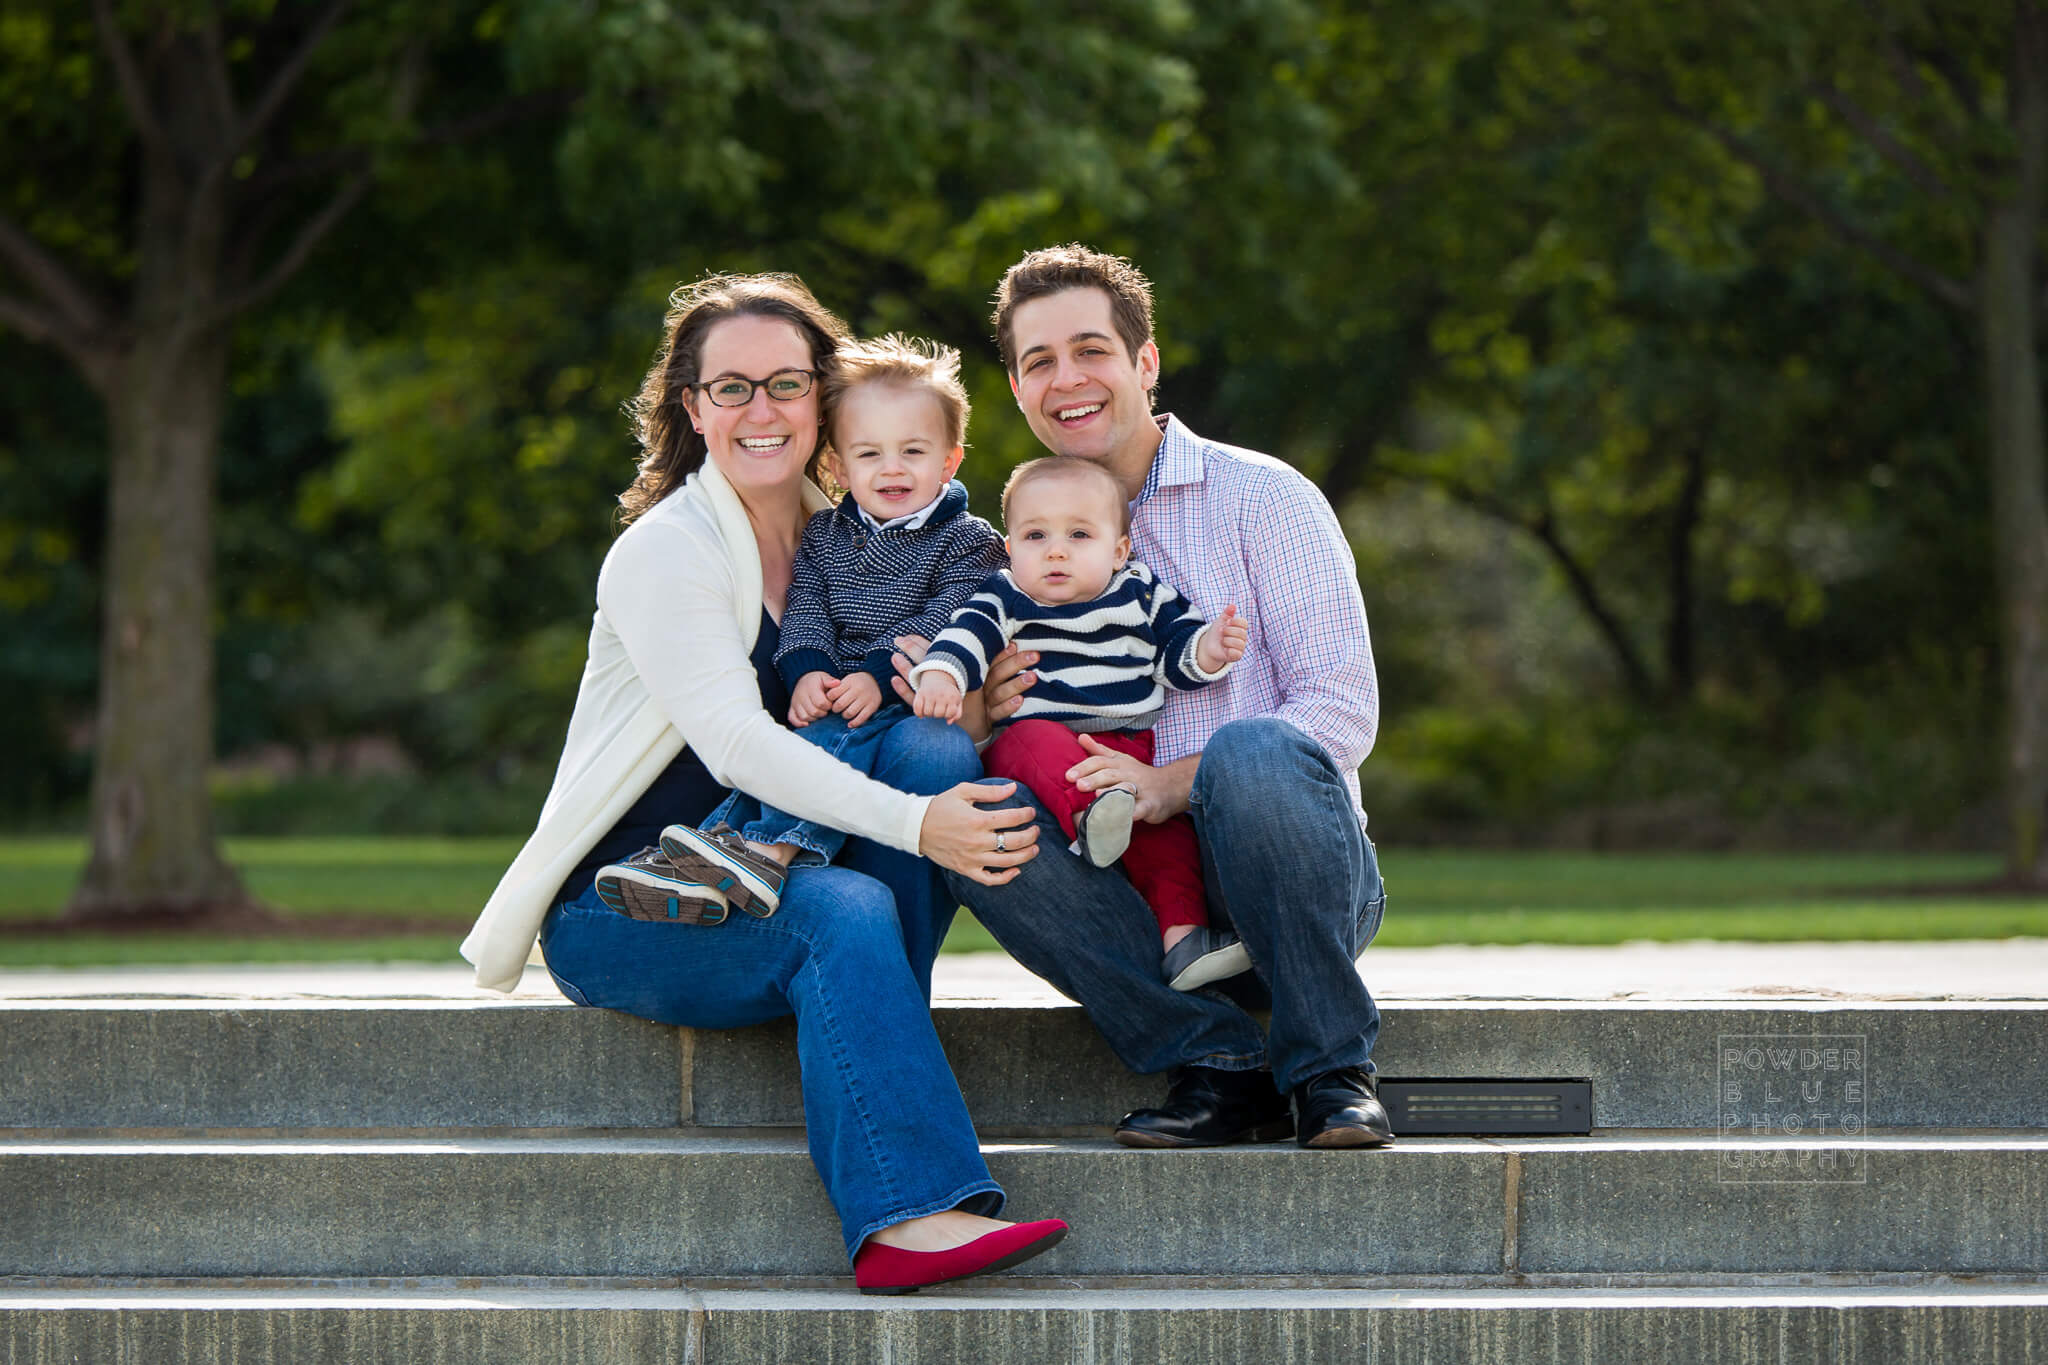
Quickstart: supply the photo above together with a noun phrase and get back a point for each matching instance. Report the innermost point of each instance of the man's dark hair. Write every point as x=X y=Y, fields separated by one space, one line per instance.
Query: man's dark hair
x=1055 y=269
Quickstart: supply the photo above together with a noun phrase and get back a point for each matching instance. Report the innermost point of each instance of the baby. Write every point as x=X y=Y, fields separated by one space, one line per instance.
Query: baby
x=897 y=557
x=1110 y=638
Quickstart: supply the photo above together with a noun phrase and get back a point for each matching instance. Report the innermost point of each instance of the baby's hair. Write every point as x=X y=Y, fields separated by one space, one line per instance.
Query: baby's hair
x=911 y=362
x=1063 y=466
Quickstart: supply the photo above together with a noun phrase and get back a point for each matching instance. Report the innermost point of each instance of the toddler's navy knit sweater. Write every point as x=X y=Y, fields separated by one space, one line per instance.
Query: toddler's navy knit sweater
x=854 y=589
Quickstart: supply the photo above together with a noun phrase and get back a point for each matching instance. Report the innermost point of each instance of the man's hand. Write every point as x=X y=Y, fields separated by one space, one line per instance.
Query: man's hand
x=1009 y=678
x=857 y=696
x=811 y=698
x=1162 y=792
x=1223 y=642
x=937 y=695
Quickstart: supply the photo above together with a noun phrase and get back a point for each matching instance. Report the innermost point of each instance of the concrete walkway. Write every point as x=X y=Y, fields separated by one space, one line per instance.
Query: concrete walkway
x=2010 y=969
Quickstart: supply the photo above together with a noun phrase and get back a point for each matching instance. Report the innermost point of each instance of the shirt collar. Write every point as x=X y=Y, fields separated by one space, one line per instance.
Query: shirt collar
x=1178 y=460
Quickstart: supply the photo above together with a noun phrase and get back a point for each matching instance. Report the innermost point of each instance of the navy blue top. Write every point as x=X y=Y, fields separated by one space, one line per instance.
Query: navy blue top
x=686 y=791
x=854 y=589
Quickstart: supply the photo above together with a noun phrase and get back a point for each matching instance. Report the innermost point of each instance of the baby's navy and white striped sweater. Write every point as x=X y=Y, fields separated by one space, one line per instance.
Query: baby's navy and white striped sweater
x=854 y=588
x=1104 y=664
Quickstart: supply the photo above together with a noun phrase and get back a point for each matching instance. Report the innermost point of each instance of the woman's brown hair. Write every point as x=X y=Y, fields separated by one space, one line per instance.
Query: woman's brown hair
x=670 y=448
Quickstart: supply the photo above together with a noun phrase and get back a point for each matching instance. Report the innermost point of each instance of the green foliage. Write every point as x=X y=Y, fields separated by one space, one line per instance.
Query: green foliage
x=453 y=804
x=1665 y=501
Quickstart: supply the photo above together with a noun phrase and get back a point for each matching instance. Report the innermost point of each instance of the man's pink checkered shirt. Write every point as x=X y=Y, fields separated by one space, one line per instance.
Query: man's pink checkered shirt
x=1228 y=526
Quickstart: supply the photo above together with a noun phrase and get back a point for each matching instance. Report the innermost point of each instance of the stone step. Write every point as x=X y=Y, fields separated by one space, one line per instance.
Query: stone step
x=1936 y=1319
x=463 y=1205
x=1025 y=1069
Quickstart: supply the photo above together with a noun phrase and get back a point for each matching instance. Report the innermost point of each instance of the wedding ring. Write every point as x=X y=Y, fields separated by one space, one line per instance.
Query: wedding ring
x=1001 y=847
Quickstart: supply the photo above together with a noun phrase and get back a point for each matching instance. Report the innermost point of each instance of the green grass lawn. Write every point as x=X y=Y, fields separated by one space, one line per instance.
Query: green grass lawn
x=1434 y=896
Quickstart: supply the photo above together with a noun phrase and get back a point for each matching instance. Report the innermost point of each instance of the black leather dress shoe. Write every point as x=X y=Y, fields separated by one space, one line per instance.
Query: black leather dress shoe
x=1341 y=1108
x=1210 y=1108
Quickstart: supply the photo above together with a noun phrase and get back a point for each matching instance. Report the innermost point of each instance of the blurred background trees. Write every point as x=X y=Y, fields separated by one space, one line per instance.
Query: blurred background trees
x=1661 y=362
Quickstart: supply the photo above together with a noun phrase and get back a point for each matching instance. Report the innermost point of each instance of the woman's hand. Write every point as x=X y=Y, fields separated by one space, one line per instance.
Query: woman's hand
x=856 y=696
x=811 y=698
x=987 y=845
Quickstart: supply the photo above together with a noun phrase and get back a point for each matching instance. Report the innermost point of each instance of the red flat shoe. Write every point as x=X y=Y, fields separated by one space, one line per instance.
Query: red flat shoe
x=879 y=1269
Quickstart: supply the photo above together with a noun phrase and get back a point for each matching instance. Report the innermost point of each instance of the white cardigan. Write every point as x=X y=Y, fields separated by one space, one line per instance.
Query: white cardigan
x=678 y=611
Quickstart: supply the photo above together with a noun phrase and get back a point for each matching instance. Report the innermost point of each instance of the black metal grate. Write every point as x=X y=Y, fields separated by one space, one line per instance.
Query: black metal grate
x=1475 y=1108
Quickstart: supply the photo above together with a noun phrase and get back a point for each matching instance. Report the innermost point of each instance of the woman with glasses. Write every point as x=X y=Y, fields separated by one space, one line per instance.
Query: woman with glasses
x=680 y=702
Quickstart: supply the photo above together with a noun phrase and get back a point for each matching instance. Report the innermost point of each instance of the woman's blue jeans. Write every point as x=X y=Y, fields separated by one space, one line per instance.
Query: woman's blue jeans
x=849 y=953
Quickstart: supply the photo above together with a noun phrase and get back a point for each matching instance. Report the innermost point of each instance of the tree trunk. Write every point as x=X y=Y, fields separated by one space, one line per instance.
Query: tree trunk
x=2019 y=460
x=1680 y=657
x=153 y=842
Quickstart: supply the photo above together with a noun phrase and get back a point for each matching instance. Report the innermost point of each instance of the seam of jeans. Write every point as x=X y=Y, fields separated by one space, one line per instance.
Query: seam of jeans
x=1324 y=783
x=986 y=1185
x=570 y=989
x=784 y=835
x=836 y=1040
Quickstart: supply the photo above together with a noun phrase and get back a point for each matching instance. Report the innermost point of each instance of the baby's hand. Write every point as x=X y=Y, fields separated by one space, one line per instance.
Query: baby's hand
x=811 y=698
x=938 y=695
x=1223 y=642
x=857 y=696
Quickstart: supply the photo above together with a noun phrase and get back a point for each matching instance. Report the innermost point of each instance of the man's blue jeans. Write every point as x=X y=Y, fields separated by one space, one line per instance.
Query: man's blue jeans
x=849 y=953
x=857 y=746
x=1284 y=862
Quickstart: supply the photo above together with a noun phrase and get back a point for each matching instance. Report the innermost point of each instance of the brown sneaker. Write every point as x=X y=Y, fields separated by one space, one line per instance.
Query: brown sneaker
x=647 y=886
x=720 y=859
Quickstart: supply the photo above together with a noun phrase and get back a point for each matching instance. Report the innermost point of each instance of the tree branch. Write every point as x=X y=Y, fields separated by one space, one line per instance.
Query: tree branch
x=29 y=320
x=75 y=304
x=126 y=75
x=1880 y=137
x=499 y=115
x=219 y=84
x=277 y=175
x=287 y=77
x=1588 y=593
x=294 y=257
x=94 y=362
x=1800 y=195
x=1543 y=527
x=1904 y=72
x=1956 y=79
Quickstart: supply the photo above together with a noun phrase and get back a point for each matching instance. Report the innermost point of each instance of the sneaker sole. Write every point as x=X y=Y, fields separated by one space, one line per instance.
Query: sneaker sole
x=1105 y=827
x=1278 y=1130
x=660 y=902
x=1220 y=965
x=681 y=843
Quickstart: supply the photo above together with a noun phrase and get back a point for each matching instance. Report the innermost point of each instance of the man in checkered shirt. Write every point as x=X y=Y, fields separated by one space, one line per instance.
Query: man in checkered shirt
x=1265 y=761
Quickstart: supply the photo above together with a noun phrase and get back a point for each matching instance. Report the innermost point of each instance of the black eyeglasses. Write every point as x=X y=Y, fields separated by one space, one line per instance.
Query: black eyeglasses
x=733 y=391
